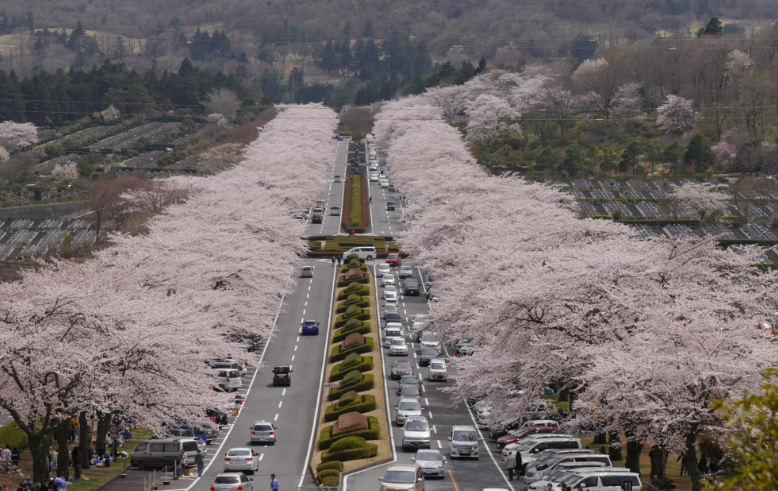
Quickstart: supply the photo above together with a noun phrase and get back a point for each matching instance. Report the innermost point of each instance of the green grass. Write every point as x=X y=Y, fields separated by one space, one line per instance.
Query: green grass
x=97 y=477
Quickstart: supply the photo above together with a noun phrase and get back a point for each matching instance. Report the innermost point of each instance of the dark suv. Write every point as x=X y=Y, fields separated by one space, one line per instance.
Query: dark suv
x=412 y=287
x=282 y=376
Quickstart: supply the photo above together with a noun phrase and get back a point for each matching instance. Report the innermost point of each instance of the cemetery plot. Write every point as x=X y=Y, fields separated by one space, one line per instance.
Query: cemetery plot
x=719 y=231
x=50 y=223
x=99 y=130
x=611 y=207
x=642 y=231
x=49 y=165
x=648 y=209
x=681 y=231
x=146 y=160
x=131 y=137
x=757 y=231
x=22 y=223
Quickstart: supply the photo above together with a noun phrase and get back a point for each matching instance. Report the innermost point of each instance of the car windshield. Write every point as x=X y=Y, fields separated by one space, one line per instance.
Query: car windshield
x=281 y=370
x=410 y=405
x=310 y=323
x=393 y=316
x=438 y=366
x=388 y=277
x=400 y=477
x=242 y=451
x=398 y=342
x=402 y=364
x=429 y=456
x=226 y=480
x=410 y=380
x=390 y=288
x=390 y=308
x=464 y=436
x=410 y=392
x=429 y=337
x=417 y=426
x=410 y=283
x=262 y=428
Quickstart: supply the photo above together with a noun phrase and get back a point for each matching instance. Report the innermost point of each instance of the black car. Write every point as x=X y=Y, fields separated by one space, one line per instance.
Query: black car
x=427 y=355
x=391 y=188
x=282 y=376
x=390 y=205
x=401 y=368
x=219 y=416
x=412 y=287
x=392 y=317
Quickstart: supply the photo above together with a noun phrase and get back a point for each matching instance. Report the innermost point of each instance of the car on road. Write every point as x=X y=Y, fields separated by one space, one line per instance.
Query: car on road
x=241 y=459
x=391 y=188
x=374 y=166
x=321 y=204
x=398 y=347
x=390 y=206
x=390 y=317
x=390 y=289
x=317 y=218
x=388 y=340
x=401 y=368
x=232 y=481
x=383 y=269
x=427 y=355
x=310 y=327
x=437 y=370
x=282 y=376
x=411 y=288
x=464 y=442
x=366 y=252
x=390 y=308
x=335 y=211
x=405 y=408
x=383 y=183
x=336 y=179
x=387 y=279
x=430 y=340
x=403 y=478
x=416 y=433
x=431 y=462
x=263 y=432
x=405 y=272
x=306 y=272
x=418 y=323
x=374 y=177
x=394 y=259
x=409 y=391
x=409 y=380
x=390 y=296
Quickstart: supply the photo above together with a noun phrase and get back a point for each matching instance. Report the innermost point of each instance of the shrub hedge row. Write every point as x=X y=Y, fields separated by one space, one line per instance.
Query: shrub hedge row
x=329 y=473
x=338 y=466
x=362 y=291
x=367 y=383
x=337 y=355
x=364 y=328
x=359 y=314
x=343 y=282
x=352 y=452
x=338 y=371
x=330 y=482
x=326 y=440
x=362 y=303
x=364 y=404
x=355 y=216
x=356 y=206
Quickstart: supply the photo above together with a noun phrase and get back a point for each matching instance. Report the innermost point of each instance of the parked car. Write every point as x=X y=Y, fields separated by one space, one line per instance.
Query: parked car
x=419 y=322
x=431 y=462
x=241 y=459
x=228 y=378
x=405 y=408
x=164 y=452
x=306 y=272
x=437 y=370
x=403 y=478
x=394 y=259
x=232 y=481
x=411 y=288
x=282 y=376
x=401 y=368
x=263 y=432
x=405 y=272
x=518 y=435
x=430 y=340
x=416 y=433
x=217 y=416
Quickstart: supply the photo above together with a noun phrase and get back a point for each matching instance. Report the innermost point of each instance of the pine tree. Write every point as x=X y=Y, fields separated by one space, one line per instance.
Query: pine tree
x=368 y=29
x=347 y=30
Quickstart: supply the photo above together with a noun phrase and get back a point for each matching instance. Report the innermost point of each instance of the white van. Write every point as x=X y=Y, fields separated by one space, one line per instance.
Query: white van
x=372 y=155
x=598 y=480
x=464 y=442
x=228 y=378
x=164 y=453
x=394 y=331
x=366 y=253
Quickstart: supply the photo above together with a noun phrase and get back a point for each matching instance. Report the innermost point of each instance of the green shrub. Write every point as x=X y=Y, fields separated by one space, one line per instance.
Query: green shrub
x=352 y=256
x=343 y=282
x=354 y=263
x=363 y=303
x=367 y=383
x=340 y=372
x=13 y=436
x=348 y=443
x=352 y=377
x=363 y=404
x=362 y=291
x=331 y=482
x=351 y=360
x=336 y=354
x=356 y=313
x=363 y=328
x=326 y=440
x=352 y=300
x=329 y=473
x=347 y=398
x=369 y=450
x=334 y=464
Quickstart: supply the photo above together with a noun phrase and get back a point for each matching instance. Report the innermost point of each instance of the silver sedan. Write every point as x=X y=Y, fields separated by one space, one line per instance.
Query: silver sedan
x=241 y=459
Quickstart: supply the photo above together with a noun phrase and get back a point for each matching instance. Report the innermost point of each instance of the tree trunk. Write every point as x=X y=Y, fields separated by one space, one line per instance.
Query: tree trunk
x=633 y=456
x=63 y=457
x=615 y=452
x=658 y=463
x=84 y=440
x=691 y=458
x=102 y=429
x=600 y=438
x=39 y=450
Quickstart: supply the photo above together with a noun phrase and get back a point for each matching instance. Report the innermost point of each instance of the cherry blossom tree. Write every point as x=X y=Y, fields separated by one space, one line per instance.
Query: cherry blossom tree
x=17 y=135
x=628 y=103
x=724 y=150
x=66 y=172
x=223 y=101
x=702 y=198
x=451 y=100
x=738 y=64
x=677 y=114
x=4 y=154
x=486 y=118
x=110 y=114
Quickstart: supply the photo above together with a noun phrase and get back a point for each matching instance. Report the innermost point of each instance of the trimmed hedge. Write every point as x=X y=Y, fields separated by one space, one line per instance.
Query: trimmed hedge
x=363 y=303
x=362 y=291
x=326 y=440
x=348 y=398
x=352 y=377
x=364 y=328
x=367 y=383
x=356 y=206
x=352 y=299
x=337 y=355
x=342 y=281
x=338 y=466
x=369 y=450
x=351 y=360
x=345 y=268
x=356 y=313
x=339 y=371
x=329 y=473
x=364 y=404
x=330 y=482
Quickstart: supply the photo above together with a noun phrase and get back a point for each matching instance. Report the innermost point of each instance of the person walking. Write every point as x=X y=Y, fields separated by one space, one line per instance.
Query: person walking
x=703 y=465
x=510 y=465
x=15 y=457
x=200 y=463
x=273 y=483
x=333 y=261
x=5 y=456
x=339 y=258
x=518 y=465
x=370 y=199
x=682 y=458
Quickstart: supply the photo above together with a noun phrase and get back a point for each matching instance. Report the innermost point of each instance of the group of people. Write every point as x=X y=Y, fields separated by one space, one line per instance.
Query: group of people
x=51 y=484
x=10 y=459
x=336 y=260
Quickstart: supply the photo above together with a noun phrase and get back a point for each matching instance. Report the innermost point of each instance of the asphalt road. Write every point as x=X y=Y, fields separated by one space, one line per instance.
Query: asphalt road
x=330 y=225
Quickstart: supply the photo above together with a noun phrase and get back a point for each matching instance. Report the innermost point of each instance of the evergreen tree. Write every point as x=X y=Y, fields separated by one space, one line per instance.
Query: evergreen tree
x=572 y=163
x=699 y=153
x=713 y=28
x=368 y=32
x=583 y=47
x=630 y=157
x=329 y=59
x=347 y=30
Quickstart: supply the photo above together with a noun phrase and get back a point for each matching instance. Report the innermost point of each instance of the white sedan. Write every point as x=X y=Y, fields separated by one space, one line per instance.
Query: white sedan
x=384 y=268
x=390 y=289
x=390 y=297
x=374 y=177
x=241 y=459
x=398 y=347
x=387 y=279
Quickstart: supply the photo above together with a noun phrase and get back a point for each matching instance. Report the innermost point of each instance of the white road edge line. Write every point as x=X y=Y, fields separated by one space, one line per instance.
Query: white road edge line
x=499 y=467
x=253 y=378
x=386 y=396
x=321 y=384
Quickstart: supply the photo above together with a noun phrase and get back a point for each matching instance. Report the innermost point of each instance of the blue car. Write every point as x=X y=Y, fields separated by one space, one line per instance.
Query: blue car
x=282 y=376
x=311 y=327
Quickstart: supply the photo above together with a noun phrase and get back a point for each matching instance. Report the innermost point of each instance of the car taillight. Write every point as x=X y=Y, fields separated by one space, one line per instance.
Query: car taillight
x=226 y=459
x=213 y=487
x=249 y=459
x=240 y=487
x=228 y=379
x=273 y=433
x=252 y=433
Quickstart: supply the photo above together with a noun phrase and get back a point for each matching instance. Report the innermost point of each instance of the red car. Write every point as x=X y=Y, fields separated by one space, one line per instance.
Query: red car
x=394 y=259
x=517 y=436
x=317 y=218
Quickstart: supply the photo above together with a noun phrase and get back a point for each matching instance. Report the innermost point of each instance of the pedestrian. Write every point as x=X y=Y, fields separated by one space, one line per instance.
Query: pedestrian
x=703 y=465
x=519 y=466
x=339 y=259
x=333 y=261
x=5 y=456
x=602 y=450
x=60 y=483
x=550 y=487
x=200 y=463
x=273 y=483
x=510 y=464
x=180 y=466
x=682 y=459
x=75 y=454
x=370 y=199
x=15 y=457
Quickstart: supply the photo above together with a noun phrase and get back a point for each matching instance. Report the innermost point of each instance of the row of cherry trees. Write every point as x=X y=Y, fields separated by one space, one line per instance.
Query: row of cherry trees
x=646 y=335
x=129 y=332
